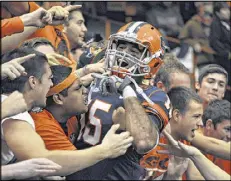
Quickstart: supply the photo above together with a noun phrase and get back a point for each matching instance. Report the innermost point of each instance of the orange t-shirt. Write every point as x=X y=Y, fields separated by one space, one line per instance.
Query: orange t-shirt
x=51 y=131
x=55 y=35
x=11 y=26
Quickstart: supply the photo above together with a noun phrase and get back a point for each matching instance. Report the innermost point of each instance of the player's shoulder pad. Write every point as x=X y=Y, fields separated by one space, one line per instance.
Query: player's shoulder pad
x=158 y=96
x=162 y=104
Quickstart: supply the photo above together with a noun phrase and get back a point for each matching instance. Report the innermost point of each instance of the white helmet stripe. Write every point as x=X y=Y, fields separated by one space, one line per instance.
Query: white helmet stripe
x=134 y=26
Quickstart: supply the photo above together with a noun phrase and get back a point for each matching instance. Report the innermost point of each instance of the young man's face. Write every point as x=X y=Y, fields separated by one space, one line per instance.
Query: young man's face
x=76 y=100
x=76 y=29
x=212 y=87
x=190 y=121
x=43 y=87
x=221 y=131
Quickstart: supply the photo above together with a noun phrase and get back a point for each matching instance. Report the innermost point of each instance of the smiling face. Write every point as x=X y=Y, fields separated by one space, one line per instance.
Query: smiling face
x=76 y=99
x=76 y=29
x=212 y=87
x=190 y=121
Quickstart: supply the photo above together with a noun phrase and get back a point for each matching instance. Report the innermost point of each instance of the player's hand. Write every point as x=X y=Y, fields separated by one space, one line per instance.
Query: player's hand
x=35 y=167
x=60 y=14
x=177 y=148
x=14 y=69
x=14 y=104
x=116 y=144
x=119 y=117
x=57 y=59
x=109 y=84
x=39 y=18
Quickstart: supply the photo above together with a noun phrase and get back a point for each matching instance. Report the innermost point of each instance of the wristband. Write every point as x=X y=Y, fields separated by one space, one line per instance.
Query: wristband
x=128 y=92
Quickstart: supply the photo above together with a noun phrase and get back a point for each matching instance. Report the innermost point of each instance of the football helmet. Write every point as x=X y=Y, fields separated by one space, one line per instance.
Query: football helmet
x=151 y=48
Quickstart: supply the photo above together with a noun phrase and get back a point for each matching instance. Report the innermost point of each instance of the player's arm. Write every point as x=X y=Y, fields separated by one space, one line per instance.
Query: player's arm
x=138 y=123
x=212 y=146
x=27 y=144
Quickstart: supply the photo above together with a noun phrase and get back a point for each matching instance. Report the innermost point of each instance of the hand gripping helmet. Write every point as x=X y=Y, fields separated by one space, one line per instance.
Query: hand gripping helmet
x=144 y=36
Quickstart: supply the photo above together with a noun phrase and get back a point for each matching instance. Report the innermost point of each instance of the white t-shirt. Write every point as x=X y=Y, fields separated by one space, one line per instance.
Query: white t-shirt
x=7 y=154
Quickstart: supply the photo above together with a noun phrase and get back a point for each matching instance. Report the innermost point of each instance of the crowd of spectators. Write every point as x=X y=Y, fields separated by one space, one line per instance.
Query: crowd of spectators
x=165 y=124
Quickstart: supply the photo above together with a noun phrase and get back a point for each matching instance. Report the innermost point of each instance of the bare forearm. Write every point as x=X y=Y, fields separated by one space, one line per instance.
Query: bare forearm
x=13 y=41
x=73 y=161
x=139 y=125
x=207 y=169
x=212 y=146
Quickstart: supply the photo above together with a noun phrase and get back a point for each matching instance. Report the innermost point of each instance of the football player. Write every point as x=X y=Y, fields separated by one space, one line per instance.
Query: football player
x=133 y=54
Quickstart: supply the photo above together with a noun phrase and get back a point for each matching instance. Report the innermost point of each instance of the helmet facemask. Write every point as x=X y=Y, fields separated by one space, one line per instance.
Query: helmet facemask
x=123 y=63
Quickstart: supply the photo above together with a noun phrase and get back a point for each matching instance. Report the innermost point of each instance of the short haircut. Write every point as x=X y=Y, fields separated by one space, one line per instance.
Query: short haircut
x=180 y=98
x=165 y=70
x=211 y=69
x=60 y=73
x=35 y=42
x=34 y=67
x=217 y=111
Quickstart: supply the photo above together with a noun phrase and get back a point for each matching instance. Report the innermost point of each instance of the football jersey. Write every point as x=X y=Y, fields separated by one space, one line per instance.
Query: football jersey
x=95 y=125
